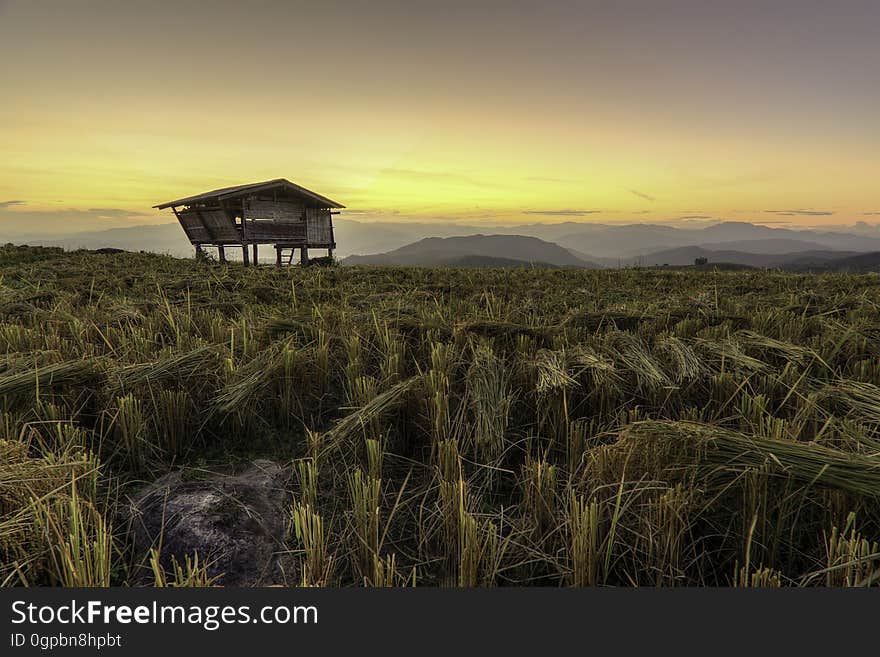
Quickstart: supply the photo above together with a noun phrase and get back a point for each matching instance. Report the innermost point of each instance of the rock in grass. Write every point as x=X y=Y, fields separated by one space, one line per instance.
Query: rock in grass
x=236 y=523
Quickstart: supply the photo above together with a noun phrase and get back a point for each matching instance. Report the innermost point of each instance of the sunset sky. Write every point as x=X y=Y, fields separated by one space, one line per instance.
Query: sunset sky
x=467 y=111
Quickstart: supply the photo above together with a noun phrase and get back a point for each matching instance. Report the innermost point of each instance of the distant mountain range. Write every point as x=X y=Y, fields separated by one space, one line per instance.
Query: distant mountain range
x=566 y=244
x=632 y=241
x=159 y=238
x=475 y=250
x=614 y=245
x=518 y=250
x=862 y=262
x=687 y=255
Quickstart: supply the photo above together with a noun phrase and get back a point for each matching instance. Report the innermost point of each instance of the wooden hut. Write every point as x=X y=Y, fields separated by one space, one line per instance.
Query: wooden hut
x=276 y=212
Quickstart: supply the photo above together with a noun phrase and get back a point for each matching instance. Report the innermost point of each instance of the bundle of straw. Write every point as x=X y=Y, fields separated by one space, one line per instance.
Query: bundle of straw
x=714 y=449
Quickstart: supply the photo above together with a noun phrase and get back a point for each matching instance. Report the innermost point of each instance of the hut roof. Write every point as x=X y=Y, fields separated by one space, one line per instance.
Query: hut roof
x=242 y=190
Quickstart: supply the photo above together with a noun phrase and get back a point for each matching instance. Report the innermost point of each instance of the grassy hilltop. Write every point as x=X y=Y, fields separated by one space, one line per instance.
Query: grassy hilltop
x=448 y=426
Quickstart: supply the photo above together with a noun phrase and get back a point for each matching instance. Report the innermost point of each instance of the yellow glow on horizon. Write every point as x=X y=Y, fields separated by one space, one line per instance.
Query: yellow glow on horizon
x=135 y=155
x=455 y=161
x=121 y=159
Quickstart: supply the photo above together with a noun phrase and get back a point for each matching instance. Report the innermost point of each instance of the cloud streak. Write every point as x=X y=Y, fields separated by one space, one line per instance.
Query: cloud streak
x=801 y=213
x=562 y=213
x=112 y=213
x=642 y=195
x=9 y=204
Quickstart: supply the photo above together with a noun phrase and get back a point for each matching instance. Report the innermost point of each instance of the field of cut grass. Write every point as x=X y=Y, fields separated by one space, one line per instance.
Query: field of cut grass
x=449 y=427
